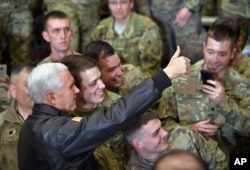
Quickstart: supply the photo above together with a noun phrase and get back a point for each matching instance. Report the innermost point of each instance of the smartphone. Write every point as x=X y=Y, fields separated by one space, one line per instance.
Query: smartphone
x=3 y=71
x=207 y=75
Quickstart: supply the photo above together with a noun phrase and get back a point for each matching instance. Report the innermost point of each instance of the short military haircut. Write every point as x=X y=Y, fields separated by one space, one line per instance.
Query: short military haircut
x=221 y=33
x=176 y=153
x=53 y=14
x=135 y=125
x=228 y=21
x=76 y=64
x=17 y=69
x=98 y=49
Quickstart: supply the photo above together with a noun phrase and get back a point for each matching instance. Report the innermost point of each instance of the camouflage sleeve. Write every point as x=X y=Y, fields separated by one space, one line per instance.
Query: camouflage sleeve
x=113 y=154
x=206 y=148
x=237 y=114
x=150 y=47
x=143 y=7
x=166 y=112
x=194 y=5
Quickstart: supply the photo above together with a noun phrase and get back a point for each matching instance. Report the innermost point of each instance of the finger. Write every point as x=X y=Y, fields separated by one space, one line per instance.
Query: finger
x=177 y=52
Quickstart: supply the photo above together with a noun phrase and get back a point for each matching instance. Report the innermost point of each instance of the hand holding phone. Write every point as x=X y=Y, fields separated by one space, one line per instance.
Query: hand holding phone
x=207 y=75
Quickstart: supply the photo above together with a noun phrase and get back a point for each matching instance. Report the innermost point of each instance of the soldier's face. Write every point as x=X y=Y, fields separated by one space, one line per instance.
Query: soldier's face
x=20 y=90
x=111 y=70
x=58 y=33
x=217 y=55
x=152 y=138
x=92 y=87
x=180 y=161
x=120 y=9
x=65 y=98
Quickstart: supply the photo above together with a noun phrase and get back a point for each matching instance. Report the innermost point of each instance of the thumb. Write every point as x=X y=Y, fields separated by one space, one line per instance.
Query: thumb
x=177 y=53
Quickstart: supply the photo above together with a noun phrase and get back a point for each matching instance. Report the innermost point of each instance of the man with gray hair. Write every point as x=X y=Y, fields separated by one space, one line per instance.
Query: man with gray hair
x=50 y=139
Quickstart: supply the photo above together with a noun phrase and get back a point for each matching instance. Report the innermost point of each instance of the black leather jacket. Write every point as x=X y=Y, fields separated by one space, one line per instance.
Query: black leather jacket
x=50 y=139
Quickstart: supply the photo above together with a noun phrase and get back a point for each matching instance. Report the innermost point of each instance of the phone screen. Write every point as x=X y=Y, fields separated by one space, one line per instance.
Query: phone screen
x=207 y=75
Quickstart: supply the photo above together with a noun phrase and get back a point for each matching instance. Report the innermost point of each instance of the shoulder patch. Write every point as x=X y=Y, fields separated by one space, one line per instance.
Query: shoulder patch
x=76 y=119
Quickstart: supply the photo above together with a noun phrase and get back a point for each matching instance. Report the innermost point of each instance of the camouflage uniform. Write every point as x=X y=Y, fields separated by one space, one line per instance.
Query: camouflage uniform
x=5 y=97
x=48 y=59
x=140 y=6
x=132 y=76
x=242 y=65
x=83 y=15
x=111 y=154
x=10 y=126
x=16 y=29
x=139 y=44
x=186 y=102
x=234 y=7
x=192 y=35
x=190 y=140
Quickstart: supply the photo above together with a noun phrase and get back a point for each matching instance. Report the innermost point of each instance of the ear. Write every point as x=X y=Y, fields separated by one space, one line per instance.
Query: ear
x=234 y=51
x=45 y=36
x=50 y=98
x=12 y=90
x=136 y=143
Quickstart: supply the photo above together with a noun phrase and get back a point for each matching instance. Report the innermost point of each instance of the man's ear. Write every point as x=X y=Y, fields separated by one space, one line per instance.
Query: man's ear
x=50 y=97
x=12 y=90
x=136 y=143
x=45 y=36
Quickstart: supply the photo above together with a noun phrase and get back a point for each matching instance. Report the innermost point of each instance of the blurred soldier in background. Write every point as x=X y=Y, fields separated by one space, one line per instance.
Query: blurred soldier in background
x=83 y=15
x=16 y=30
x=182 y=21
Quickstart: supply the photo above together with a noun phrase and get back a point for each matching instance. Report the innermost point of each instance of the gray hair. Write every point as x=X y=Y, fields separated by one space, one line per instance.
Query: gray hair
x=43 y=78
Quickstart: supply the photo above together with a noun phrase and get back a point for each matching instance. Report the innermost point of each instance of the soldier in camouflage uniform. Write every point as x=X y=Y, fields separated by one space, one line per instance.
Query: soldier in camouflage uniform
x=219 y=112
x=92 y=97
x=84 y=17
x=150 y=141
x=136 y=38
x=12 y=119
x=239 y=24
x=5 y=97
x=57 y=31
x=182 y=21
x=16 y=30
x=117 y=78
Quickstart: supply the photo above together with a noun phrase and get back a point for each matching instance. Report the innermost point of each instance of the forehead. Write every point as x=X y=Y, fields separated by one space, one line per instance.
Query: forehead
x=218 y=45
x=58 y=22
x=151 y=126
x=110 y=61
x=90 y=74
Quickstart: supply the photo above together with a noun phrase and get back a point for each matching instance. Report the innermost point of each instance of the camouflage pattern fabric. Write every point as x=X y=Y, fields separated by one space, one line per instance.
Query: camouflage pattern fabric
x=192 y=35
x=242 y=66
x=235 y=7
x=186 y=102
x=190 y=140
x=132 y=76
x=112 y=154
x=48 y=59
x=10 y=126
x=83 y=15
x=139 y=44
x=5 y=97
x=16 y=27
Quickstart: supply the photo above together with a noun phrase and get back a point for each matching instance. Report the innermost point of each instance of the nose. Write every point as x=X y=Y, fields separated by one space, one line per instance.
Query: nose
x=215 y=57
x=118 y=5
x=101 y=84
x=164 y=133
x=76 y=89
x=119 y=71
x=62 y=33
